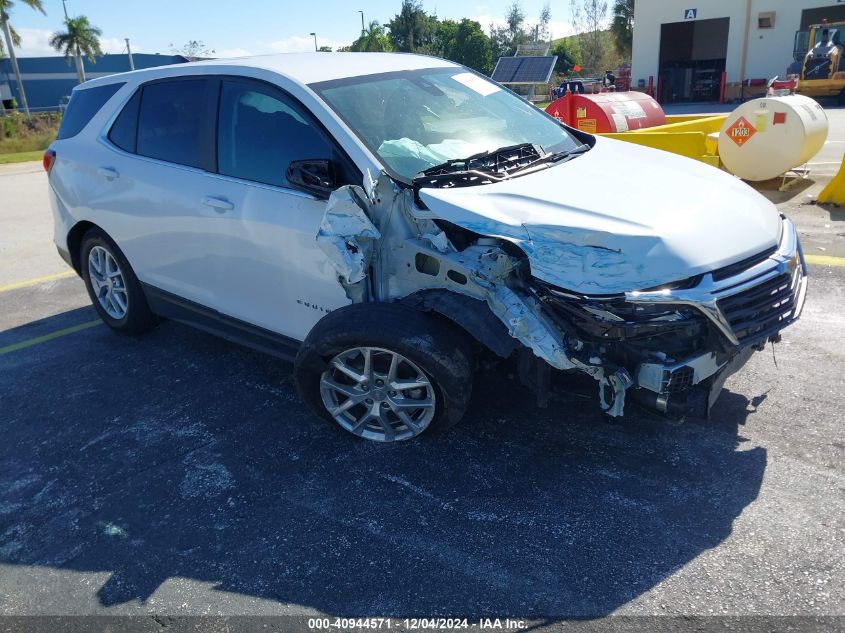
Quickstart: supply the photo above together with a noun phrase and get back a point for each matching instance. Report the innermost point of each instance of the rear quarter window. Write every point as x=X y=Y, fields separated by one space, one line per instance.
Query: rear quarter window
x=83 y=105
x=124 y=132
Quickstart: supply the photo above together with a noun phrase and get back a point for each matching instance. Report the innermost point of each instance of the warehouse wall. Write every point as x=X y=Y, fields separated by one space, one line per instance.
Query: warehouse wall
x=48 y=79
x=769 y=50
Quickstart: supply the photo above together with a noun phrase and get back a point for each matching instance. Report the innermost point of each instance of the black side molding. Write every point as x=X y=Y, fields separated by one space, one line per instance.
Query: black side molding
x=203 y=318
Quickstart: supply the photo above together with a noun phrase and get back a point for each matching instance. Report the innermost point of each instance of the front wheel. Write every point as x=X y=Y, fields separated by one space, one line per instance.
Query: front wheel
x=385 y=372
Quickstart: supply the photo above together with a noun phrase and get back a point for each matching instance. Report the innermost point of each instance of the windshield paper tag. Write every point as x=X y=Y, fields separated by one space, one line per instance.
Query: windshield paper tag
x=474 y=82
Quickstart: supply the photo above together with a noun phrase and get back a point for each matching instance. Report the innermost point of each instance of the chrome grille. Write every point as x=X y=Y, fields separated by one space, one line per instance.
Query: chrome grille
x=763 y=310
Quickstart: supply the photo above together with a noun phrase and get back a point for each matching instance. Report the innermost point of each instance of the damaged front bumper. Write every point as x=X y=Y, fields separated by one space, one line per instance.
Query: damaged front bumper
x=726 y=314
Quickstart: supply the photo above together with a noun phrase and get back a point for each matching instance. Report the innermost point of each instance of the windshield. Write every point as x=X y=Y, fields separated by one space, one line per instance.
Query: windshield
x=414 y=120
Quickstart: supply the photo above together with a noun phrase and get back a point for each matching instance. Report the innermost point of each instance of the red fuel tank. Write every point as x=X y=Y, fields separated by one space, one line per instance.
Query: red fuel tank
x=608 y=111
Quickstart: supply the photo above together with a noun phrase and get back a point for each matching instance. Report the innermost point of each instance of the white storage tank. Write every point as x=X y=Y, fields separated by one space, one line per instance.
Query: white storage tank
x=767 y=137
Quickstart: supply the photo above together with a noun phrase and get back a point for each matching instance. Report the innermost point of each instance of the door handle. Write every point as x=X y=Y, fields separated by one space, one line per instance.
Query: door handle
x=108 y=172
x=218 y=204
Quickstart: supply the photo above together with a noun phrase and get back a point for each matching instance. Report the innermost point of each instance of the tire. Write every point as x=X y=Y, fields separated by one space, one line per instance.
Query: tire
x=112 y=285
x=426 y=348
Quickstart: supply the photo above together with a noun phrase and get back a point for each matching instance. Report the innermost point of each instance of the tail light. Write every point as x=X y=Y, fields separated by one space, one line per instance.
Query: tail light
x=48 y=160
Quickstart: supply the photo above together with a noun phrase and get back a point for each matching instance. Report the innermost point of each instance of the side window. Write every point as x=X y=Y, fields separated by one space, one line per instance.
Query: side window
x=169 y=118
x=260 y=132
x=83 y=105
x=124 y=132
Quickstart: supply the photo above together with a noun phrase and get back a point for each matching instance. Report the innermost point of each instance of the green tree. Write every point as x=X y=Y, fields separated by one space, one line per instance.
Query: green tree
x=589 y=17
x=372 y=40
x=412 y=30
x=505 y=39
x=568 y=55
x=80 y=38
x=466 y=43
x=444 y=37
x=543 y=33
x=325 y=49
x=622 y=27
x=12 y=39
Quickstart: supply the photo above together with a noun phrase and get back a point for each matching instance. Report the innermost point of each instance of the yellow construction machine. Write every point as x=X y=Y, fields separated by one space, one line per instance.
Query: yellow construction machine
x=821 y=71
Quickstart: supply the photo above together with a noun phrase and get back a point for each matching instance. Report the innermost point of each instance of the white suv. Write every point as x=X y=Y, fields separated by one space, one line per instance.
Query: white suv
x=386 y=220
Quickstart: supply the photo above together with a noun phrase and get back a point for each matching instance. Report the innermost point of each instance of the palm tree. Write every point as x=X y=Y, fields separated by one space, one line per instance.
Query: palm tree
x=374 y=39
x=13 y=39
x=622 y=27
x=80 y=38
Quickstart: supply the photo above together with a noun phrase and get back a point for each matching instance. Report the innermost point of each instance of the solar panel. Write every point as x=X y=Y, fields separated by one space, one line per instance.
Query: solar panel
x=524 y=70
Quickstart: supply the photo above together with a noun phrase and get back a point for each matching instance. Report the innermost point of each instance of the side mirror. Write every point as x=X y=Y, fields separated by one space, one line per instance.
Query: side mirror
x=313 y=175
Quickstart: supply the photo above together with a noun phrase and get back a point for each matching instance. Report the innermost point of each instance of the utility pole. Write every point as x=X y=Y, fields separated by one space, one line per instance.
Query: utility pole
x=129 y=53
x=315 y=42
x=363 y=30
x=64 y=6
x=4 y=19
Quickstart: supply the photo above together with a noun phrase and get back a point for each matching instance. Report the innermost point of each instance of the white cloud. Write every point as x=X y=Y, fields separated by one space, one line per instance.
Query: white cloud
x=116 y=45
x=233 y=52
x=300 y=44
x=36 y=43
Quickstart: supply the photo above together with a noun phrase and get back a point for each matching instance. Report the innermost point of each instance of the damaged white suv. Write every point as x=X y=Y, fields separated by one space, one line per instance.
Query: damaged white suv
x=387 y=220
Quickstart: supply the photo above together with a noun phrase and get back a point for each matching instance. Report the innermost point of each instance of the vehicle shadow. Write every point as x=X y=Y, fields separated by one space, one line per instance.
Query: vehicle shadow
x=179 y=455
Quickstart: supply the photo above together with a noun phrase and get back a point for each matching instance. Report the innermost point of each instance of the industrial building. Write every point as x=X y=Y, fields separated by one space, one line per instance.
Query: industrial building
x=685 y=45
x=48 y=80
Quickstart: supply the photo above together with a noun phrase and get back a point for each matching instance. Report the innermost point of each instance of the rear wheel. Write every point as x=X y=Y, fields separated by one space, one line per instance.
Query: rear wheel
x=112 y=285
x=385 y=372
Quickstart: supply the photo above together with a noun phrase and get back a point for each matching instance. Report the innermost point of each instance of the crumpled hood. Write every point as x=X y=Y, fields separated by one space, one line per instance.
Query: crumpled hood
x=620 y=217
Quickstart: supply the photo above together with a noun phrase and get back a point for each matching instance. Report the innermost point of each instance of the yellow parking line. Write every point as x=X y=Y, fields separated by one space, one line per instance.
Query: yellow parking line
x=37 y=280
x=825 y=260
x=47 y=337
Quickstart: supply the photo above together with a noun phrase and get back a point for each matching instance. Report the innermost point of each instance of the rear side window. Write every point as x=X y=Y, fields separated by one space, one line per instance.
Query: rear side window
x=260 y=132
x=83 y=105
x=169 y=121
x=124 y=132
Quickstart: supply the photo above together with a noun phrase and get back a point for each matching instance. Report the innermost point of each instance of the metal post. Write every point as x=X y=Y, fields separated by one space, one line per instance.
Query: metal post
x=363 y=30
x=315 y=41
x=8 y=36
x=129 y=53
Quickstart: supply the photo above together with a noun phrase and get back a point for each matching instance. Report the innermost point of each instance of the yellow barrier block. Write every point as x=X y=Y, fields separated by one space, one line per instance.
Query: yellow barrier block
x=690 y=144
x=688 y=118
x=834 y=191
x=693 y=136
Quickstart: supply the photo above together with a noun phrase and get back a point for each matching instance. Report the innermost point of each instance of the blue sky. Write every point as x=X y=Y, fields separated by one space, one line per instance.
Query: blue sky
x=246 y=27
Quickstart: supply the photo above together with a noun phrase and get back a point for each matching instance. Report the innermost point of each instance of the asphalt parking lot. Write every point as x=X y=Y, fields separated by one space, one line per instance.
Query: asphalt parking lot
x=175 y=473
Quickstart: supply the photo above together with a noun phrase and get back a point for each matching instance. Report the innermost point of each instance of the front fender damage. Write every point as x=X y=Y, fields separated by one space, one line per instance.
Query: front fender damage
x=384 y=249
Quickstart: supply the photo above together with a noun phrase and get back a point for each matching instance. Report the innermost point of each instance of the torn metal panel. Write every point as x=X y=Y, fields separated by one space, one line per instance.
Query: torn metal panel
x=382 y=231
x=346 y=233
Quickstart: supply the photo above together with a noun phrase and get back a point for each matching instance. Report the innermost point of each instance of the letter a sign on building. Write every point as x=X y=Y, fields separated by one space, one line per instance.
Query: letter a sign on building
x=690 y=14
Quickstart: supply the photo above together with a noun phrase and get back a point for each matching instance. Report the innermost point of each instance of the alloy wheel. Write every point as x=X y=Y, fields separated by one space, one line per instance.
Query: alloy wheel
x=378 y=394
x=108 y=282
